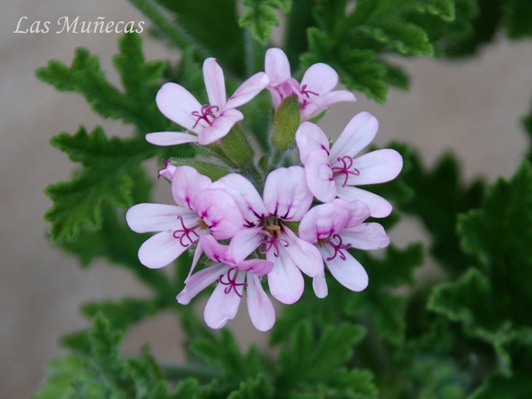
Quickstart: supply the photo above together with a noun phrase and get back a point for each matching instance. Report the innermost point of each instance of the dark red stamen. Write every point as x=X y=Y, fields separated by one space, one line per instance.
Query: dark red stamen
x=165 y=164
x=338 y=247
x=306 y=92
x=231 y=282
x=269 y=241
x=186 y=233
x=347 y=163
x=205 y=113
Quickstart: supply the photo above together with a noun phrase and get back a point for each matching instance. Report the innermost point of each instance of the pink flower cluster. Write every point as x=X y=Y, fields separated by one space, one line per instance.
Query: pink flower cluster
x=303 y=221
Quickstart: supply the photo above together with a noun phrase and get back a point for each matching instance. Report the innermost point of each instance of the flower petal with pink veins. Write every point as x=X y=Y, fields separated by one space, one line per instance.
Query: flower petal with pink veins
x=276 y=66
x=160 y=250
x=319 y=284
x=366 y=236
x=322 y=221
x=222 y=306
x=376 y=167
x=260 y=267
x=199 y=281
x=214 y=250
x=177 y=104
x=220 y=126
x=303 y=254
x=309 y=138
x=336 y=96
x=378 y=206
x=286 y=194
x=144 y=218
x=170 y=138
x=187 y=182
x=319 y=176
x=219 y=211
x=245 y=195
x=285 y=280
x=357 y=212
x=248 y=90
x=319 y=78
x=214 y=79
x=359 y=132
x=245 y=242
x=349 y=272
x=260 y=308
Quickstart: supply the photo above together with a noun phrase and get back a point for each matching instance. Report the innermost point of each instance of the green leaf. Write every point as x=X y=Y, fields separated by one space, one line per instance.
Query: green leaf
x=111 y=166
x=135 y=105
x=259 y=16
x=257 y=388
x=518 y=14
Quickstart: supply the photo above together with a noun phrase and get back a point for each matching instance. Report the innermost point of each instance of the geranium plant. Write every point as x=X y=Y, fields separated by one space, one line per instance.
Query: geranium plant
x=270 y=208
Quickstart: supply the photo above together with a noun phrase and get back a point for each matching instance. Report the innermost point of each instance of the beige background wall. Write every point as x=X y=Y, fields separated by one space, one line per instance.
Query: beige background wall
x=472 y=107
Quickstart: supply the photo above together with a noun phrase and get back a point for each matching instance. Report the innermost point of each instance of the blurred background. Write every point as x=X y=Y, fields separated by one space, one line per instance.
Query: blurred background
x=471 y=107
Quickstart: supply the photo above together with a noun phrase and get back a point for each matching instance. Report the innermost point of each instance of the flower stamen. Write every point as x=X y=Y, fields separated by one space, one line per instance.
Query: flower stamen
x=186 y=233
x=338 y=247
x=306 y=92
x=347 y=164
x=231 y=282
x=206 y=112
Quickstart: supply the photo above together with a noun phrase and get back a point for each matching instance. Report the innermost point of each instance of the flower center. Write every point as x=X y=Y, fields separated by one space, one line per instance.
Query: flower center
x=205 y=113
x=187 y=236
x=272 y=236
x=231 y=282
x=338 y=247
x=347 y=164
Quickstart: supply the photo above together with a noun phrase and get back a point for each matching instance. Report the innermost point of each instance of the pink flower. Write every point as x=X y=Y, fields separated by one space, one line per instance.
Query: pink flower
x=335 y=227
x=315 y=93
x=334 y=173
x=285 y=199
x=234 y=276
x=208 y=122
x=201 y=210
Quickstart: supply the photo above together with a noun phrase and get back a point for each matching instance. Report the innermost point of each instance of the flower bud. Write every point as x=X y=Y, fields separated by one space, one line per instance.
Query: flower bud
x=286 y=120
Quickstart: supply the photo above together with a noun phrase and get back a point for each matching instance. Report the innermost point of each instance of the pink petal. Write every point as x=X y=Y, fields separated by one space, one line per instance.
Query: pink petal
x=357 y=212
x=348 y=272
x=177 y=104
x=309 y=138
x=376 y=167
x=358 y=133
x=286 y=194
x=213 y=76
x=260 y=308
x=378 y=206
x=214 y=250
x=319 y=176
x=245 y=195
x=170 y=138
x=260 y=267
x=247 y=90
x=197 y=255
x=160 y=250
x=277 y=66
x=199 y=281
x=366 y=236
x=222 y=306
x=186 y=184
x=245 y=242
x=319 y=78
x=220 y=127
x=319 y=284
x=322 y=221
x=303 y=254
x=285 y=280
x=219 y=211
x=144 y=218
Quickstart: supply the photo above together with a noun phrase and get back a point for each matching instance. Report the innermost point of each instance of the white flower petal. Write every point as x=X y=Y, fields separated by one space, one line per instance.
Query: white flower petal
x=177 y=104
x=319 y=176
x=376 y=167
x=260 y=308
x=378 y=206
x=170 y=138
x=334 y=97
x=220 y=127
x=309 y=138
x=199 y=281
x=321 y=221
x=303 y=254
x=366 y=236
x=286 y=194
x=213 y=76
x=285 y=280
x=187 y=182
x=245 y=242
x=348 y=272
x=144 y=218
x=319 y=78
x=277 y=66
x=160 y=250
x=319 y=284
x=358 y=133
x=247 y=90
x=223 y=304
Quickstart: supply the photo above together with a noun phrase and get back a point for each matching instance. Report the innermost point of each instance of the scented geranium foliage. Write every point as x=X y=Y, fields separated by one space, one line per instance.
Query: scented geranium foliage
x=267 y=211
